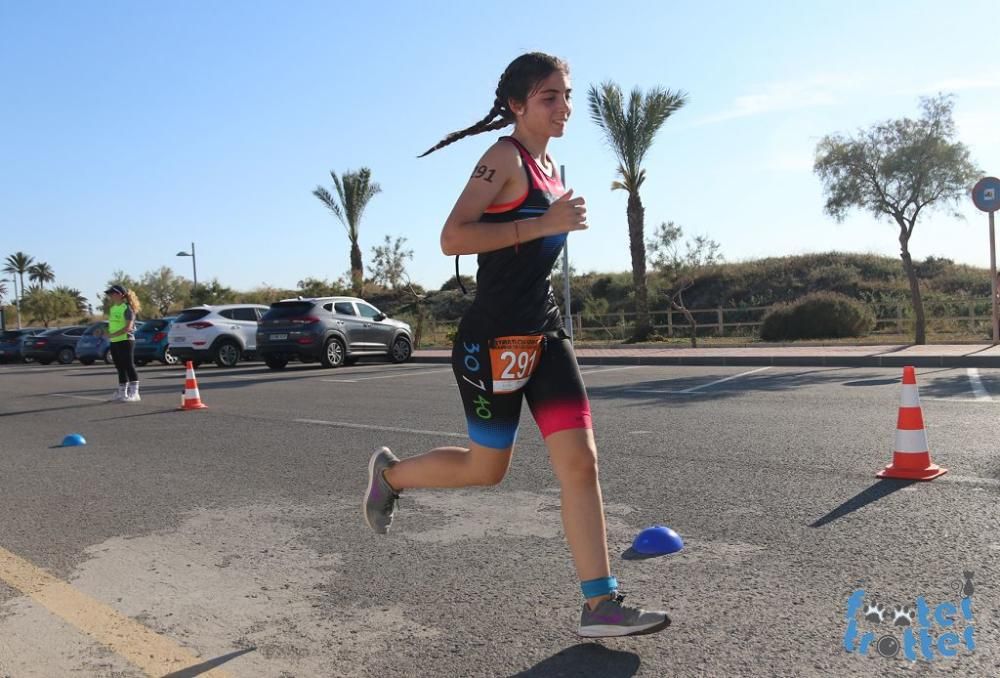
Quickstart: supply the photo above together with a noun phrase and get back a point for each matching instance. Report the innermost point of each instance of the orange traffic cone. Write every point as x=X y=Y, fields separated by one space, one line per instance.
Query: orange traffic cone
x=192 y=398
x=911 y=458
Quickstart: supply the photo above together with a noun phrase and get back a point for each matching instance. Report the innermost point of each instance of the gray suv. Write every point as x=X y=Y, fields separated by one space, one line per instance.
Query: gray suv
x=332 y=330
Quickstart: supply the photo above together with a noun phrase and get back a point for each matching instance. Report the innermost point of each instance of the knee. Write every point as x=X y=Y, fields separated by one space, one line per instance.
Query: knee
x=581 y=469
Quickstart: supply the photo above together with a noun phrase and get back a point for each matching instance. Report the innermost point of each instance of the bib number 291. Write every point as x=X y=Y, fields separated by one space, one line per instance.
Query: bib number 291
x=514 y=360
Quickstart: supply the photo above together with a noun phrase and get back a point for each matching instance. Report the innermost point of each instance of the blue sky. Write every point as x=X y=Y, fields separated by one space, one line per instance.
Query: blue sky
x=129 y=129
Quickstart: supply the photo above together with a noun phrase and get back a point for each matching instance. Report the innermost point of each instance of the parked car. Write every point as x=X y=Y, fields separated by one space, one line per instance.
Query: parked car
x=12 y=344
x=223 y=334
x=151 y=342
x=94 y=344
x=55 y=344
x=333 y=330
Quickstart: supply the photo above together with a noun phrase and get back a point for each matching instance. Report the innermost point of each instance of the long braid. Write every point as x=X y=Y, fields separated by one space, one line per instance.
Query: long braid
x=520 y=75
x=487 y=124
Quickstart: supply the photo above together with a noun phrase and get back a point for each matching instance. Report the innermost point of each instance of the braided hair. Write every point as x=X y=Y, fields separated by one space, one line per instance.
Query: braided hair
x=521 y=76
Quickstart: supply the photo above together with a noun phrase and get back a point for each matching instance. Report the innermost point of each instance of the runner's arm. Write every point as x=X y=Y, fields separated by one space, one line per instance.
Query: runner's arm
x=463 y=233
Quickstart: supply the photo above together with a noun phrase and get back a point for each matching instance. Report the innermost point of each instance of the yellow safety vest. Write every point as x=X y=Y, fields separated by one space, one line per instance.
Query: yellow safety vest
x=117 y=322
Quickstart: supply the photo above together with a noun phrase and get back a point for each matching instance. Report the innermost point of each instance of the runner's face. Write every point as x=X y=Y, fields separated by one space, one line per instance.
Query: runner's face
x=548 y=106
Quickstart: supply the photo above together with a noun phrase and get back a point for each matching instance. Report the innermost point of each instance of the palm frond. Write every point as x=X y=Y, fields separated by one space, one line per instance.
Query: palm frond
x=630 y=127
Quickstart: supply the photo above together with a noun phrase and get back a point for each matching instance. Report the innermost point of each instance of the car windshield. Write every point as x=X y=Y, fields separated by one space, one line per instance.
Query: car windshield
x=288 y=309
x=153 y=326
x=192 y=314
x=49 y=333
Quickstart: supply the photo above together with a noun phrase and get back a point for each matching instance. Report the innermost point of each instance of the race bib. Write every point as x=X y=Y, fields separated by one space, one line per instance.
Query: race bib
x=514 y=360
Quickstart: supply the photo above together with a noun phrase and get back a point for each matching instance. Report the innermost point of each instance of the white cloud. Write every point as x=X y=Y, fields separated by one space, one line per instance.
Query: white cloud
x=978 y=128
x=960 y=84
x=786 y=96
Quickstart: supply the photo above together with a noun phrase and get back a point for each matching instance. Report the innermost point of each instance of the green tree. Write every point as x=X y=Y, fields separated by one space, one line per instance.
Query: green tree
x=41 y=273
x=210 y=293
x=164 y=289
x=321 y=287
x=354 y=191
x=630 y=129
x=46 y=306
x=79 y=300
x=388 y=267
x=896 y=170
x=679 y=270
x=18 y=263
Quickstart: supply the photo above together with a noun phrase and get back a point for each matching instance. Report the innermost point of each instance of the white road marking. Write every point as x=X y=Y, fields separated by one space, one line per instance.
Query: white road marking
x=695 y=389
x=611 y=369
x=371 y=427
x=719 y=381
x=67 y=395
x=387 y=376
x=978 y=390
x=988 y=401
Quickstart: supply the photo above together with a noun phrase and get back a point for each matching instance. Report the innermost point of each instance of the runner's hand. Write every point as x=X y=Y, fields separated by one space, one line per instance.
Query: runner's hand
x=564 y=215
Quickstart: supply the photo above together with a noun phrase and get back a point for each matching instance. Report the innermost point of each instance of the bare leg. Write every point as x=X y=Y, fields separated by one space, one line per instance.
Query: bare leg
x=451 y=467
x=573 y=454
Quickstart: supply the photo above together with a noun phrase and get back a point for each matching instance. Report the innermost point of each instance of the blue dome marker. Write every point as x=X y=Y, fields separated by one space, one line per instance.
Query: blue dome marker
x=654 y=541
x=74 y=440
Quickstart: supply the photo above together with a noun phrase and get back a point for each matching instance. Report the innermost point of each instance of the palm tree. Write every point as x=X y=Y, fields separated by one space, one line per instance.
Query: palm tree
x=19 y=262
x=41 y=273
x=354 y=191
x=630 y=130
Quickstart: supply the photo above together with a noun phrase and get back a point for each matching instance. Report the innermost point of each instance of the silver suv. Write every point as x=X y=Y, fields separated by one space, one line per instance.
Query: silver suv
x=224 y=334
x=333 y=330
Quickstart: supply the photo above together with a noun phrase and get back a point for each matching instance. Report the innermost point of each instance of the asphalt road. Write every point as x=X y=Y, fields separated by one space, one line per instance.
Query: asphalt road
x=229 y=541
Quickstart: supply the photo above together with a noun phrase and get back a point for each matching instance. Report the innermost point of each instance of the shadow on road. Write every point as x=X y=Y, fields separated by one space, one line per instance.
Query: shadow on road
x=205 y=667
x=882 y=488
x=585 y=660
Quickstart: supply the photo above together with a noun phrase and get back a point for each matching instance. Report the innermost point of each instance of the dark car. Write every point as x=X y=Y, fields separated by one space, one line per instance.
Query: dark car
x=151 y=342
x=55 y=344
x=332 y=330
x=12 y=344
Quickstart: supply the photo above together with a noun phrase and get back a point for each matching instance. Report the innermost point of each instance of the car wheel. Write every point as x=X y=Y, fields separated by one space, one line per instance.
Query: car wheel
x=276 y=363
x=227 y=354
x=169 y=358
x=333 y=353
x=88 y=361
x=44 y=362
x=66 y=356
x=401 y=351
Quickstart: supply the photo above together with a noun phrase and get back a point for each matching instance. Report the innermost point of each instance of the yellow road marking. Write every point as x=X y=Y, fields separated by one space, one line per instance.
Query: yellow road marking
x=154 y=654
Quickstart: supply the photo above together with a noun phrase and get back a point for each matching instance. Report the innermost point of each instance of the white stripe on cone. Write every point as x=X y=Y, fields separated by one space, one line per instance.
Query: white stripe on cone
x=911 y=441
x=911 y=396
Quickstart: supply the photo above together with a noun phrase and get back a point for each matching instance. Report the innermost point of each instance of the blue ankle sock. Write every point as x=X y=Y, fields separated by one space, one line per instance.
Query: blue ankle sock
x=599 y=587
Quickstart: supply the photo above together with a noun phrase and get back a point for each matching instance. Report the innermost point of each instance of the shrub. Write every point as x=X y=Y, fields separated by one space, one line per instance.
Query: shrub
x=821 y=315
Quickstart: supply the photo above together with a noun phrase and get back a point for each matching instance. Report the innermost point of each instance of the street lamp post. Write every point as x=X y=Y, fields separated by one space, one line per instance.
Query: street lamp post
x=194 y=262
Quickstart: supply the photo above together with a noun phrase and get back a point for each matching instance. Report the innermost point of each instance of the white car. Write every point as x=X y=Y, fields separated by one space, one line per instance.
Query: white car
x=224 y=334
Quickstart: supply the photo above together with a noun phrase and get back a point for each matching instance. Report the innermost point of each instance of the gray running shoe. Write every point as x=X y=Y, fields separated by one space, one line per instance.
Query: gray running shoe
x=611 y=618
x=380 y=499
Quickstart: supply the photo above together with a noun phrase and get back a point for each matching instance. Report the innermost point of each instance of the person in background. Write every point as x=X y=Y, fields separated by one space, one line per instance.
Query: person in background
x=124 y=309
